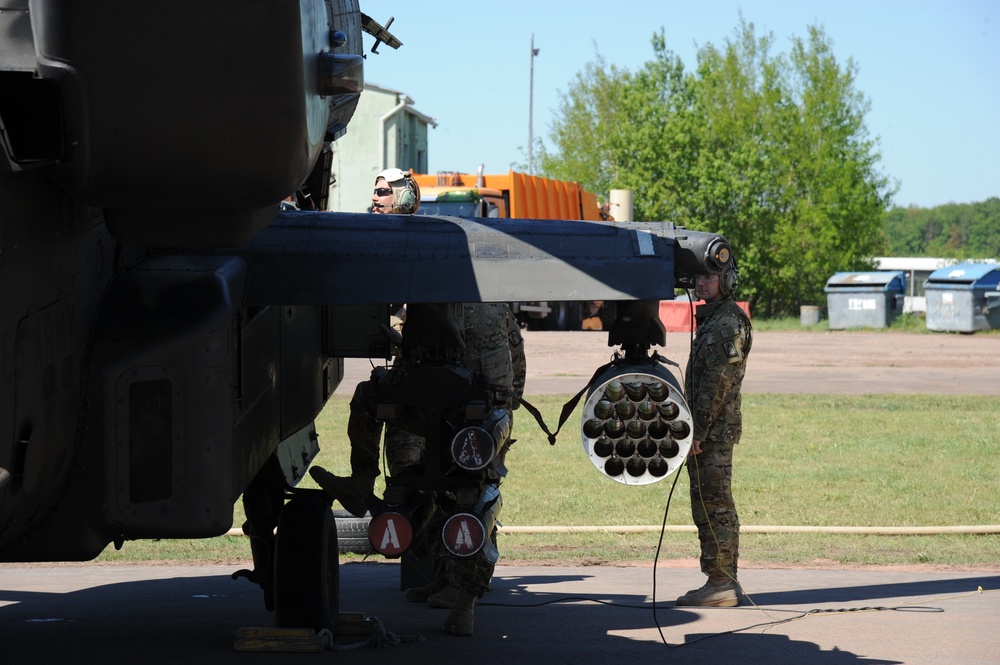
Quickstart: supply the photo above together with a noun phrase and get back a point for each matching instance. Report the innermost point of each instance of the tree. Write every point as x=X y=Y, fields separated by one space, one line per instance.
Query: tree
x=770 y=151
x=953 y=230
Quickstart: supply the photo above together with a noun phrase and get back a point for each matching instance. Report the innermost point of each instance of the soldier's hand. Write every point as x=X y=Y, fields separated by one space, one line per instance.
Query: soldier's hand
x=695 y=446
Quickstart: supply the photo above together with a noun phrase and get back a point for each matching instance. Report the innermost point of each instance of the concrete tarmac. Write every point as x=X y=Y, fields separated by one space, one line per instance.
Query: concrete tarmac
x=81 y=613
x=554 y=615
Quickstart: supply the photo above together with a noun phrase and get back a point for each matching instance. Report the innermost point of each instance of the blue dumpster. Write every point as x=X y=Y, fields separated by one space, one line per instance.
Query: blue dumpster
x=864 y=299
x=964 y=297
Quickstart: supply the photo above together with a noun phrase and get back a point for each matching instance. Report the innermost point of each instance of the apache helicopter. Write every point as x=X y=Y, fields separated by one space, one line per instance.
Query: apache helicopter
x=169 y=334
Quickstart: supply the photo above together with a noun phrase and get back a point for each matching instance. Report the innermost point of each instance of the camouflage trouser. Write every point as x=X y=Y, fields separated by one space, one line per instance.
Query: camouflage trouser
x=364 y=431
x=403 y=449
x=713 y=509
x=471 y=574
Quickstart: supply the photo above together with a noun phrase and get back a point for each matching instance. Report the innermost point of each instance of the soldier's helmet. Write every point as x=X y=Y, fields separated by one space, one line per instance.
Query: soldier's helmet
x=405 y=190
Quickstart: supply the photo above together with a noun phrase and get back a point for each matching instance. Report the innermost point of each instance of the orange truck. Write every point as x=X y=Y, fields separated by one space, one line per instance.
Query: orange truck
x=513 y=195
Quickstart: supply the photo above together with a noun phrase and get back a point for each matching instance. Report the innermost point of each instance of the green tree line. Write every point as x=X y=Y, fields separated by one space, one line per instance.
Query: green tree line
x=954 y=230
x=770 y=150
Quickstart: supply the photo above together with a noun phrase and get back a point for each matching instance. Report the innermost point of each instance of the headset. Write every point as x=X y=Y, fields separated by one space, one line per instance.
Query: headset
x=406 y=191
x=406 y=199
x=730 y=277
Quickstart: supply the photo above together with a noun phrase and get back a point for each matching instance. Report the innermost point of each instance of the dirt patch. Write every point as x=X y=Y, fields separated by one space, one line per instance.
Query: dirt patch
x=843 y=362
x=838 y=362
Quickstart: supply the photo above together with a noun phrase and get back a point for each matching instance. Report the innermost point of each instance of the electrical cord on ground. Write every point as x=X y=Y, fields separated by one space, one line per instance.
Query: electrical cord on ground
x=656 y=557
x=903 y=606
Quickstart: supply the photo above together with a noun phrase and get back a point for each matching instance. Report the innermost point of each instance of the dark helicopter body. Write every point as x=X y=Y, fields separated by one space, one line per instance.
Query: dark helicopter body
x=168 y=336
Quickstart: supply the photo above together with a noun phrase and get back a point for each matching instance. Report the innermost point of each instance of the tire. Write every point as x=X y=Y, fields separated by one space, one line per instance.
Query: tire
x=608 y=314
x=574 y=315
x=306 y=566
x=352 y=533
x=557 y=318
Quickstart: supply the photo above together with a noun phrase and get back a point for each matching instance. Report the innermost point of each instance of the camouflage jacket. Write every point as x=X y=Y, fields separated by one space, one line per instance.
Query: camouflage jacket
x=492 y=341
x=494 y=346
x=715 y=371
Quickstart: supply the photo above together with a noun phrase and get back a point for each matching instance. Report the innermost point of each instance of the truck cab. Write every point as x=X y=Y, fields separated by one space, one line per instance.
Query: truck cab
x=513 y=195
x=463 y=202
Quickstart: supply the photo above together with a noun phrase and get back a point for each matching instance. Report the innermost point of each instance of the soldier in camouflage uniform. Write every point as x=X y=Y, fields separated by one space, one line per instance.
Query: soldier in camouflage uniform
x=493 y=347
x=714 y=375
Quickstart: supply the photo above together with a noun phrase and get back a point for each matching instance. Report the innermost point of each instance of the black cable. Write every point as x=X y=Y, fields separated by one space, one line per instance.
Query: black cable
x=570 y=599
x=670 y=495
x=659 y=546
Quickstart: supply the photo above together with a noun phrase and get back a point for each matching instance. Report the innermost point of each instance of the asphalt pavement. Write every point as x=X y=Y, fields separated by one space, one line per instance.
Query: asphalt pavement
x=554 y=615
x=83 y=613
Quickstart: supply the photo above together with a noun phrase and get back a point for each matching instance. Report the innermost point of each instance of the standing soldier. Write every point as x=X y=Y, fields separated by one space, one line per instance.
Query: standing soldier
x=493 y=346
x=712 y=385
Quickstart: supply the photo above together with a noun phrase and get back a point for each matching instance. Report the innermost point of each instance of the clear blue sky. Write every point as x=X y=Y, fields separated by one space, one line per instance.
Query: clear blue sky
x=929 y=68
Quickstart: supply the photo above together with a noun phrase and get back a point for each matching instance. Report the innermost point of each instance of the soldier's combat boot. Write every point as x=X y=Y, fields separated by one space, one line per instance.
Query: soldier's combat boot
x=461 y=619
x=420 y=594
x=445 y=598
x=351 y=491
x=715 y=593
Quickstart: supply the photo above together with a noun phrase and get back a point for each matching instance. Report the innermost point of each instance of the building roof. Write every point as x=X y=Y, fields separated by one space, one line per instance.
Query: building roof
x=918 y=262
x=403 y=99
x=911 y=263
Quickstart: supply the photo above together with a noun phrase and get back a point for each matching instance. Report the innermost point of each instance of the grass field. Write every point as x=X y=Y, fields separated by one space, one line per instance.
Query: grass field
x=805 y=460
x=911 y=323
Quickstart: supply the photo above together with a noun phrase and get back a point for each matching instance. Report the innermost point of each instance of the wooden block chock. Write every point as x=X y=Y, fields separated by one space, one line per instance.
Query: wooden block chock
x=303 y=640
x=283 y=640
x=354 y=624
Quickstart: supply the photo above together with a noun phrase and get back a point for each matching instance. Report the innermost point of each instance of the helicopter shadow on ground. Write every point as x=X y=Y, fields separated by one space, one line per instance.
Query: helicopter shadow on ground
x=148 y=620
x=563 y=617
x=872 y=593
x=539 y=618
x=622 y=627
